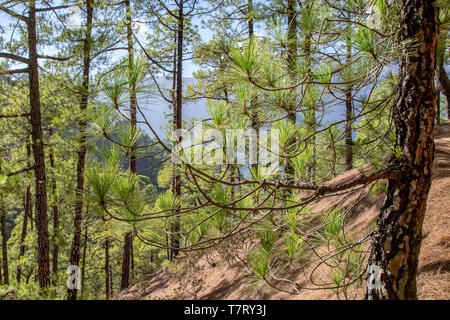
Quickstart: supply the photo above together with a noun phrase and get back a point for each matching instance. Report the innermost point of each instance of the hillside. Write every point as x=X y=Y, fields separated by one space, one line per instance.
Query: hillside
x=215 y=275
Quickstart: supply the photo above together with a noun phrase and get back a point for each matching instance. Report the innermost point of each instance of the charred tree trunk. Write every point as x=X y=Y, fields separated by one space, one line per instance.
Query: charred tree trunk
x=84 y=97
x=398 y=235
x=38 y=154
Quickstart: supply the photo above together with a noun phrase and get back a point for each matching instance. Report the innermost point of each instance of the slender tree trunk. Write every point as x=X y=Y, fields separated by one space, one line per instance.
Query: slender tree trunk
x=250 y=18
x=312 y=121
x=348 y=116
x=23 y=236
x=398 y=235
x=87 y=46
x=38 y=154
x=125 y=280
x=443 y=83
x=132 y=258
x=254 y=121
x=133 y=106
x=27 y=214
x=107 y=275
x=291 y=57
x=177 y=118
x=4 y=239
x=83 y=261
x=438 y=108
x=133 y=100
x=292 y=52
x=55 y=215
x=111 y=291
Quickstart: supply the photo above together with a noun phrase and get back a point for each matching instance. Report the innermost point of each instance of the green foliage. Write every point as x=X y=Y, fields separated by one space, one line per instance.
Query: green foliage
x=245 y=58
x=363 y=41
x=100 y=180
x=167 y=201
x=258 y=261
x=333 y=223
x=218 y=112
x=267 y=239
x=324 y=74
x=398 y=152
x=294 y=246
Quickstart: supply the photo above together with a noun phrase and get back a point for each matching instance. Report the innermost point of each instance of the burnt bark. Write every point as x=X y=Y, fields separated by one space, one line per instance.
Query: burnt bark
x=398 y=235
x=84 y=97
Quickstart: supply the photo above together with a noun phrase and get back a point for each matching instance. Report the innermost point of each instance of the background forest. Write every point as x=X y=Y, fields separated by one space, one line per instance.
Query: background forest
x=86 y=171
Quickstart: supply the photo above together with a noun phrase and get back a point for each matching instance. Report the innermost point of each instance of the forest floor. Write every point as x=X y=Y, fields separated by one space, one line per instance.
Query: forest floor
x=221 y=273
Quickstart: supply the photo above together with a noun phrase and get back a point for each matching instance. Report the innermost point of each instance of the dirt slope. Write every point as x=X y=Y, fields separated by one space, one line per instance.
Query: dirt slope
x=221 y=274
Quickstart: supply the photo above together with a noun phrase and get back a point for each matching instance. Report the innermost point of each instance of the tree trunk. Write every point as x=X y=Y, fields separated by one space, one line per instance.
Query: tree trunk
x=23 y=235
x=312 y=121
x=132 y=258
x=111 y=281
x=348 y=116
x=438 y=108
x=107 y=275
x=177 y=118
x=443 y=83
x=75 y=251
x=250 y=18
x=38 y=154
x=55 y=215
x=26 y=215
x=83 y=262
x=125 y=280
x=4 y=240
x=398 y=235
x=133 y=104
x=291 y=57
